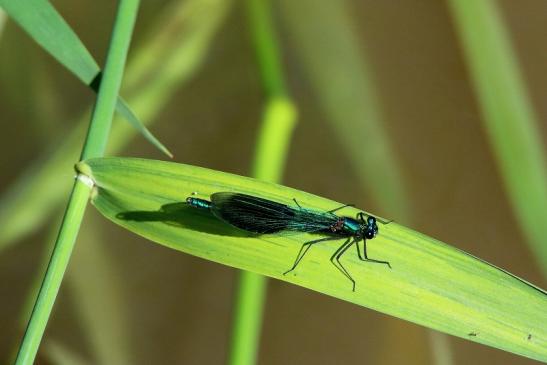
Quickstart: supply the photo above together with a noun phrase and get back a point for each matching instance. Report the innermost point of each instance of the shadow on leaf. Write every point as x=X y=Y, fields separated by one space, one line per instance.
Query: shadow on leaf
x=182 y=215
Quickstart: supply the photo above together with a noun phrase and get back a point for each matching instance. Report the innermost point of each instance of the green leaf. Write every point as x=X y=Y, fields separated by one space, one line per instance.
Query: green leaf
x=127 y=113
x=343 y=81
x=200 y=20
x=48 y=28
x=508 y=116
x=431 y=283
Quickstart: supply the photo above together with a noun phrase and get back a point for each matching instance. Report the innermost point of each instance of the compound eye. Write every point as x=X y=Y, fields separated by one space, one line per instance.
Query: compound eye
x=369 y=234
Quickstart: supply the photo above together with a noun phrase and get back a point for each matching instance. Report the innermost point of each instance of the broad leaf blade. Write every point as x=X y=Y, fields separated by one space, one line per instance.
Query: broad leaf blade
x=431 y=283
x=48 y=28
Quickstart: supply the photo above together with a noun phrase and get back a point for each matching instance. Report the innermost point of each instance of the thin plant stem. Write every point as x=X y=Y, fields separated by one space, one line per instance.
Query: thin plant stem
x=269 y=162
x=101 y=118
x=54 y=274
x=94 y=146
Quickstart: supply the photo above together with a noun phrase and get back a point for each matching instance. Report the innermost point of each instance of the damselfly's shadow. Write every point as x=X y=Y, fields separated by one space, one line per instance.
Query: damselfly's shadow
x=181 y=215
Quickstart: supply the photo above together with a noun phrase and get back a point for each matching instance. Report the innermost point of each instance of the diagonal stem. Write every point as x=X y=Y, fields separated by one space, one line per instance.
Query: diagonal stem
x=94 y=146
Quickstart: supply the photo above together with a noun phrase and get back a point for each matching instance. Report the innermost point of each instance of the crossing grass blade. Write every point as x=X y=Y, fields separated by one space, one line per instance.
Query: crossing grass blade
x=509 y=118
x=342 y=78
x=431 y=283
x=48 y=28
x=200 y=21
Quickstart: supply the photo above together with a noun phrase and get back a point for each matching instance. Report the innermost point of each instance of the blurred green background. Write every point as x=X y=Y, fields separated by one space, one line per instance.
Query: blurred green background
x=160 y=306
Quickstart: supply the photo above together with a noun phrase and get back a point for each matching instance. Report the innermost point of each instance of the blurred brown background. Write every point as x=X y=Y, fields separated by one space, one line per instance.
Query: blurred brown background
x=177 y=307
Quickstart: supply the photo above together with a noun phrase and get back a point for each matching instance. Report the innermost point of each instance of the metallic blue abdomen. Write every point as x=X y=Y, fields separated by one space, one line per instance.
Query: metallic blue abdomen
x=198 y=203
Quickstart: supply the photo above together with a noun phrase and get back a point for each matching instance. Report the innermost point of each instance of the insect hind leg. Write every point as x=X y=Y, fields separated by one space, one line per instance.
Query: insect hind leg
x=304 y=249
x=366 y=258
x=335 y=259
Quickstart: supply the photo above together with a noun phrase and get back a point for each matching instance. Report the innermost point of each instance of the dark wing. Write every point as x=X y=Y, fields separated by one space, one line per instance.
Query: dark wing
x=251 y=213
x=310 y=221
x=264 y=216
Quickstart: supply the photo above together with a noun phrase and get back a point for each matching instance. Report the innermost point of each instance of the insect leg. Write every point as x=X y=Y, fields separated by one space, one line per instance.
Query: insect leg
x=365 y=254
x=384 y=221
x=362 y=216
x=343 y=206
x=329 y=211
x=304 y=248
x=335 y=259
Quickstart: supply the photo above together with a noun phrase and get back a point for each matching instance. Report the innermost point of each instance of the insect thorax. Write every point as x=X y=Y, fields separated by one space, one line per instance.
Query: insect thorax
x=346 y=226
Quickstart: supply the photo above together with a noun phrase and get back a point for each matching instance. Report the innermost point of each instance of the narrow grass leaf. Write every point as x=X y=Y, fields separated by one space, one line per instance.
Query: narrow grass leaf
x=508 y=115
x=431 y=283
x=343 y=81
x=24 y=207
x=127 y=113
x=48 y=28
x=270 y=156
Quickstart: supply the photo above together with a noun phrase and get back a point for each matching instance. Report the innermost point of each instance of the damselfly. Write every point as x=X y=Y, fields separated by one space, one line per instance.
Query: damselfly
x=262 y=216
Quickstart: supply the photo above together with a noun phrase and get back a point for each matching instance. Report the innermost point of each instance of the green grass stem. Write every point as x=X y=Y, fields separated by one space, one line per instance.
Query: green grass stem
x=101 y=118
x=54 y=274
x=247 y=319
x=277 y=126
x=261 y=26
x=269 y=163
x=94 y=146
